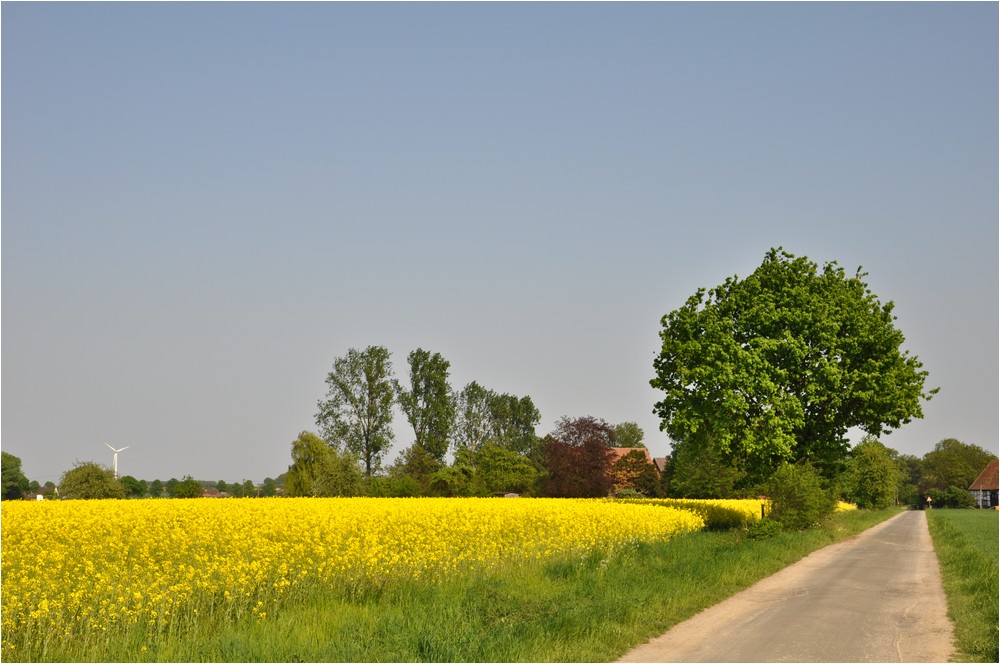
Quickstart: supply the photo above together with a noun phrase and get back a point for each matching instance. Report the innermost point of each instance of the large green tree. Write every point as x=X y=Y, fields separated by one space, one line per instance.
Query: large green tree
x=341 y=476
x=629 y=434
x=311 y=457
x=910 y=470
x=133 y=488
x=88 y=480
x=484 y=416
x=429 y=404
x=954 y=463
x=872 y=480
x=513 y=420
x=697 y=471
x=418 y=464
x=188 y=487
x=500 y=470
x=780 y=365
x=472 y=425
x=15 y=484
x=357 y=413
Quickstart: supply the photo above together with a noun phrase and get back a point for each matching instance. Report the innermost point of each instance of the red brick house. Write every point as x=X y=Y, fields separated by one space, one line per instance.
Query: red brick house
x=984 y=489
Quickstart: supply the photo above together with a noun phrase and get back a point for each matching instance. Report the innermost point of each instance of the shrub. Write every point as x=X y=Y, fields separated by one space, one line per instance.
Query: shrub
x=798 y=498
x=763 y=529
x=953 y=497
x=399 y=486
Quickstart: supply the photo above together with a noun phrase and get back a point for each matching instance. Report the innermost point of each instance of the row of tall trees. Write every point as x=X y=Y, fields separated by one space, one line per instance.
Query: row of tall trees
x=356 y=415
x=574 y=460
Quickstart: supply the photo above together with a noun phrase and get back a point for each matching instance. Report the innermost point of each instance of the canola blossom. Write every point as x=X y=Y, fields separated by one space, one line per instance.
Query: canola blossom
x=83 y=567
x=717 y=513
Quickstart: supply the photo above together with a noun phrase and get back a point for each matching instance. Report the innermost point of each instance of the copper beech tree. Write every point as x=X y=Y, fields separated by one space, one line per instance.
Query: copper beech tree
x=577 y=456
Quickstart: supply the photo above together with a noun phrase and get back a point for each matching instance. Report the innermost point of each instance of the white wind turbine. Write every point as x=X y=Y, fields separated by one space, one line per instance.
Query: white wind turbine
x=116 y=457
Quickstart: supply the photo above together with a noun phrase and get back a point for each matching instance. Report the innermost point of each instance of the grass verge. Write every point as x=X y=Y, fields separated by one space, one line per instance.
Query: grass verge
x=593 y=608
x=966 y=546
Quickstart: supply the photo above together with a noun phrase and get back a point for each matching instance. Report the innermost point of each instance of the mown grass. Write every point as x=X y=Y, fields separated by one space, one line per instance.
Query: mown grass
x=969 y=555
x=592 y=608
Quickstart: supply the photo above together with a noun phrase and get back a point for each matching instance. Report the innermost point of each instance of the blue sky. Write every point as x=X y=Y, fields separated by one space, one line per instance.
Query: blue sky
x=203 y=205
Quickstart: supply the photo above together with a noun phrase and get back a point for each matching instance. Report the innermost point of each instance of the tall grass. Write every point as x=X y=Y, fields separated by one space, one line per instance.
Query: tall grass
x=967 y=549
x=590 y=607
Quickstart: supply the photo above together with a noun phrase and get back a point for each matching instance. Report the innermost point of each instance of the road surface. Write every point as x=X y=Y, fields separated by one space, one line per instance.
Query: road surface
x=874 y=598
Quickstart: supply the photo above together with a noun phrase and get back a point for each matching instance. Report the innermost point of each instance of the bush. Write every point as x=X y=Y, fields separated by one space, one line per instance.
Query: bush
x=763 y=529
x=799 y=499
x=956 y=497
x=400 y=486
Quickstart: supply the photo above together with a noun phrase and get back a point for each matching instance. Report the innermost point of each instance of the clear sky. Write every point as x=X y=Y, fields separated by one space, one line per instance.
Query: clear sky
x=203 y=205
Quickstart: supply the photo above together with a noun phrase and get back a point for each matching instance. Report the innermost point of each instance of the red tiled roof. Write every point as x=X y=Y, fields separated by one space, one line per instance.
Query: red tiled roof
x=619 y=452
x=987 y=480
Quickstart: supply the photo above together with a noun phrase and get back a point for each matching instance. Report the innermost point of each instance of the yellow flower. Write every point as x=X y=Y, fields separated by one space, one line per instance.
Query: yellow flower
x=98 y=565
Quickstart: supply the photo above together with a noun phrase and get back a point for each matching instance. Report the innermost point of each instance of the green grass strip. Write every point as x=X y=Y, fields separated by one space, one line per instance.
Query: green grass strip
x=967 y=550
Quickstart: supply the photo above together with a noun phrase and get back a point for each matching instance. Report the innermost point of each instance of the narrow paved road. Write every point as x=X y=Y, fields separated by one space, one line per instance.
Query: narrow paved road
x=874 y=598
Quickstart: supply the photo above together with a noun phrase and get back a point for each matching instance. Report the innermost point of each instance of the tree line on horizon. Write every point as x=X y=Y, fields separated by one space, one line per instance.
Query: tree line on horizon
x=761 y=377
x=875 y=476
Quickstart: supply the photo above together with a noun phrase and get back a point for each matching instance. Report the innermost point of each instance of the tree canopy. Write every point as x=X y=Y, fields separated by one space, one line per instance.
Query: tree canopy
x=15 y=484
x=428 y=404
x=954 y=463
x=780 y=365
x=484 y=416
x=188 y=487
x=88 y=480
x=873 y=476
x=310 y=459
x=578 y=456
x=357 y=413
x=629 y=434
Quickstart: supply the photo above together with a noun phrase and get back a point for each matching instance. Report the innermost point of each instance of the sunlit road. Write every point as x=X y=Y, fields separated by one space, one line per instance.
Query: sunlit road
x=874 y=598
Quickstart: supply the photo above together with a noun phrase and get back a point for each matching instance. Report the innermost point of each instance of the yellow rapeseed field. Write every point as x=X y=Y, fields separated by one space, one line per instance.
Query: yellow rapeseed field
x=717 y=513
x=72 y=568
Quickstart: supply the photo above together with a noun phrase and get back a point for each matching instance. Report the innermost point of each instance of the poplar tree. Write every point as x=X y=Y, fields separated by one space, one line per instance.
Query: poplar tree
x=429 y=404
x=357 y=413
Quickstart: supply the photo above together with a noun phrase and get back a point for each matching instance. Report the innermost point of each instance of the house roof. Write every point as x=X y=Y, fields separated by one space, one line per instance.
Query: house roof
x=619 y=452
x=987 y=480
x=660 y=463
